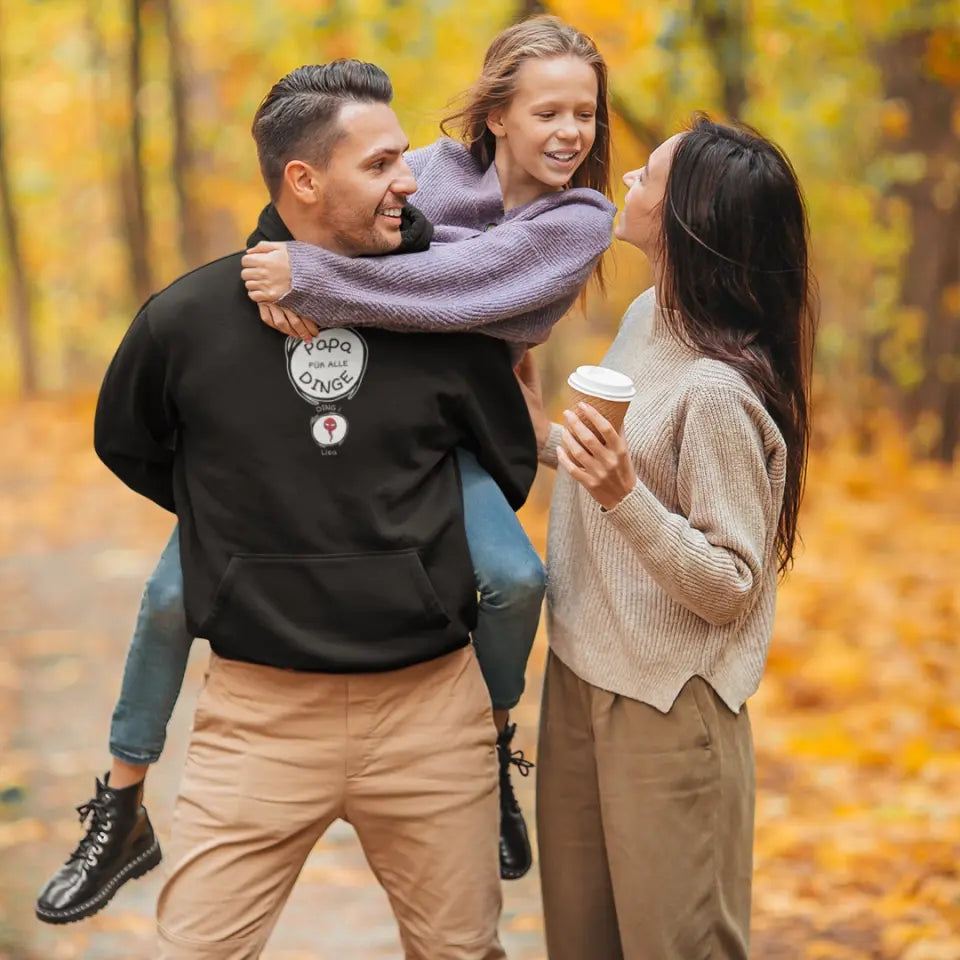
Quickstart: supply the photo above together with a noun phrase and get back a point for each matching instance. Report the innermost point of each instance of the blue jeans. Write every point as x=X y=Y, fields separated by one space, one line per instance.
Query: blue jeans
x=510 y=581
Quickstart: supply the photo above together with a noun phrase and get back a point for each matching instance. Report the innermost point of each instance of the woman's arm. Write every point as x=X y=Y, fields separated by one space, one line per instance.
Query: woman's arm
x=513 y=282
x=547 y=453
x=711 y=557
x=547 y=433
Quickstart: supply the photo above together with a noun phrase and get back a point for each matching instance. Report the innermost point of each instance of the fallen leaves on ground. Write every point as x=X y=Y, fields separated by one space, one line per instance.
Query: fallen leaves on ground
x=857 y=723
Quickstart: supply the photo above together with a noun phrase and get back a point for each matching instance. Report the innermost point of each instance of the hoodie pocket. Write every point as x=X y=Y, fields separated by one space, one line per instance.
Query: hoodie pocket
x=303 y=599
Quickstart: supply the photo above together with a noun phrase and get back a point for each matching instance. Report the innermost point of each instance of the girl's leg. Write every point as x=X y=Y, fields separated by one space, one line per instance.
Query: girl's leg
x=120 y=844
x=153 y=674
x=510 y=580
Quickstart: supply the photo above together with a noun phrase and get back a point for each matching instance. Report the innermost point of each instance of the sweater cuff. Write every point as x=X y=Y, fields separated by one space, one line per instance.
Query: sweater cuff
x=296 y=298
x=639 y=518
x=547 y=454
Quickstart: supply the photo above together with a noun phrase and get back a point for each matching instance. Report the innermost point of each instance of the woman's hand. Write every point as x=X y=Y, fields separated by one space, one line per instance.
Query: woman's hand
x=266 y=271
x=601 y=465
x=288 y=322
x=529 y=377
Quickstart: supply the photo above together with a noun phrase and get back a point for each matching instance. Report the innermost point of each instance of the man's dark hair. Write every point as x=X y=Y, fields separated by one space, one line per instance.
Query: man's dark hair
x=299 y=118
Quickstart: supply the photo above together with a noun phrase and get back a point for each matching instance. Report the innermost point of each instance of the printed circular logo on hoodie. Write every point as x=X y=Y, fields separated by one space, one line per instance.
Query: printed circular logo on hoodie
x=328 y=369
x=323 y=372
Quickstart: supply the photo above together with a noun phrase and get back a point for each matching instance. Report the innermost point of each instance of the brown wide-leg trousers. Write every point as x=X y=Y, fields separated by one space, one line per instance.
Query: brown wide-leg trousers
x=645 y=824
x=407 y=757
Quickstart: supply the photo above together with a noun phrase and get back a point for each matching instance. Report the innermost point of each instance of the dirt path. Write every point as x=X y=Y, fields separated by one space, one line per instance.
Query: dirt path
x=70 y=581
x=856 y=724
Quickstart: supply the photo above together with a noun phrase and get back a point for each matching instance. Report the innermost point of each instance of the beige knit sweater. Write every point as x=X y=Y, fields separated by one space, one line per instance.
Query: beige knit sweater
x=680 y=577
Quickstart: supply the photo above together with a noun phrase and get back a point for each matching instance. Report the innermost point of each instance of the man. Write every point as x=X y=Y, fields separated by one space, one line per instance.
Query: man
x=324 y=557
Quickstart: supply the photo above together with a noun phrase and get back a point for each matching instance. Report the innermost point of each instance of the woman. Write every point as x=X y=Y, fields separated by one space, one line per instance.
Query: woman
x=533 y=125
x=664 y=550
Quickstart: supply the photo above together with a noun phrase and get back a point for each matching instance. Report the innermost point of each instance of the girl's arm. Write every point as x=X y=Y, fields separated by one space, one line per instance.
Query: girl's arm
x=513 y=282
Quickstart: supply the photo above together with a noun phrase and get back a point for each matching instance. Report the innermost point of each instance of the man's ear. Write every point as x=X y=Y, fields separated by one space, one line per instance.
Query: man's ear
x=495 y=123
x=302 y=181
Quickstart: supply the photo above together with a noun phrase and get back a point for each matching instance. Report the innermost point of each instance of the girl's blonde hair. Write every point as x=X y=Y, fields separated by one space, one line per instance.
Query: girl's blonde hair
x=538 y=38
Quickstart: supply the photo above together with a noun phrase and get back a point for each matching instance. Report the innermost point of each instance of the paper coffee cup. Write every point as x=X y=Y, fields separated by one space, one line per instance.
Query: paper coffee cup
x=607 y=391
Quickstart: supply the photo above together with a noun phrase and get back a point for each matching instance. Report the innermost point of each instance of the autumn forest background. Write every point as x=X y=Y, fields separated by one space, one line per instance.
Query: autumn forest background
x=126 y=159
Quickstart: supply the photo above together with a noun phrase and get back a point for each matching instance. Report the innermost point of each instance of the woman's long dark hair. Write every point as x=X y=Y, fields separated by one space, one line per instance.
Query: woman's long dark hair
x=736 y=283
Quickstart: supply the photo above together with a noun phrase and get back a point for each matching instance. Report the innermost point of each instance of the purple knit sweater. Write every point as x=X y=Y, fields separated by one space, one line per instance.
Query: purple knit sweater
x=514 y=282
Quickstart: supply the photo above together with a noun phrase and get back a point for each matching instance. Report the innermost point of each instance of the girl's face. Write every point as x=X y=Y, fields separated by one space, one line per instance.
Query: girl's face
x=639 y=221
x=550 y=124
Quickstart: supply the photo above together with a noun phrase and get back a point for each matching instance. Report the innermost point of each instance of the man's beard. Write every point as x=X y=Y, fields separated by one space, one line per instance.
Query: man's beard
x=355 y=233
x=369 y=243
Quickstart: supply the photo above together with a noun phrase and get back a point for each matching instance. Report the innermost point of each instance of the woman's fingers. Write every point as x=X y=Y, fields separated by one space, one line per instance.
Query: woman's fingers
x=575 y=471
x=575 y=450
x=608 y=435
x=585 y=435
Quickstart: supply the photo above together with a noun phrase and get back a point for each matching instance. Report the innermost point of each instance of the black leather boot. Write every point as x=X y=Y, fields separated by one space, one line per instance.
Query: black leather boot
x=119 y=845
x=516 y=857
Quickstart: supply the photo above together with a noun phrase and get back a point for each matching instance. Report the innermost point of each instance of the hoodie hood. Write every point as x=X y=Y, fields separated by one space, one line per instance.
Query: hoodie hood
x=416 y=231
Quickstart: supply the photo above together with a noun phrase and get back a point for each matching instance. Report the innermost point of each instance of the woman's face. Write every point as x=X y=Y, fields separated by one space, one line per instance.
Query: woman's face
x=639 y=221
x=551 y=122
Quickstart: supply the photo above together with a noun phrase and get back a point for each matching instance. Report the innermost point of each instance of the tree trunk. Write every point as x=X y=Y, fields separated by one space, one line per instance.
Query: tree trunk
x=20 y=300
x=132 y=175
x=724 y=27
x=529 y=8
x=191 y=221
x=931 y=276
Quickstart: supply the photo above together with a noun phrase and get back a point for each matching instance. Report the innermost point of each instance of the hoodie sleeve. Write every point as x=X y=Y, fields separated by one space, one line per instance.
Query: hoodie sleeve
x=135 y=424
x=494 y=417
x=513 y=282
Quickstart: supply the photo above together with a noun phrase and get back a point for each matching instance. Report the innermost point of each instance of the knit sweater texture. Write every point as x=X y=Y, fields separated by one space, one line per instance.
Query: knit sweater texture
x=513 y=282
x=680 y=578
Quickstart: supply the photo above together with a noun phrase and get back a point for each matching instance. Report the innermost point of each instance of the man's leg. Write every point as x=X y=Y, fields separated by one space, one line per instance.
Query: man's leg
x=422 y=795
x=263 y=780
x=119 y=843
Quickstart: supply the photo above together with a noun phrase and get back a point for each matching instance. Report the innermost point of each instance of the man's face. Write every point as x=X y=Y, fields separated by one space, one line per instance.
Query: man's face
x=366 y=182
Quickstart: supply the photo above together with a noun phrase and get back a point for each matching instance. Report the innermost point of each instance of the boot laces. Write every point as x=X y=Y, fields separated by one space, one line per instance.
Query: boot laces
x=96 y=811
x=510 y=758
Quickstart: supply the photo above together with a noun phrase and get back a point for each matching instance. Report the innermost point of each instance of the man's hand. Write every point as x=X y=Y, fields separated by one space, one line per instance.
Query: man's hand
x=288 y=322
x=266 y=272
x=529 y=377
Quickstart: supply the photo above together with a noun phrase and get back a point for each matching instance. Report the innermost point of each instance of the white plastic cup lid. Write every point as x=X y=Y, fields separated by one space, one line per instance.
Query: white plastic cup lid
x=602 y=382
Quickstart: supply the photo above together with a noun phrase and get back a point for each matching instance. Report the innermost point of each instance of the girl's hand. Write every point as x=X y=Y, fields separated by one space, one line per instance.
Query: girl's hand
x=288 y=322
x=529 y=377
x=602 y=466
x=266 y=271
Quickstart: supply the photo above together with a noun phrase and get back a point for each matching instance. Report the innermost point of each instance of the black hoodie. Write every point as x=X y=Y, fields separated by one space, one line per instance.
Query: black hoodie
x=321 y=523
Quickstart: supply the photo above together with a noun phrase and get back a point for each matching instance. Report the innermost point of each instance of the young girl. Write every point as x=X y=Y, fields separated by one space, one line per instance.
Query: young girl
x=664 y=548
x=533 y=125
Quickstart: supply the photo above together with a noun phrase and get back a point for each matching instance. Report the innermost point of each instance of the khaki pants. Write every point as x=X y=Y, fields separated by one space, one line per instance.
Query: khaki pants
x=645 y=824
x=276 y=756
